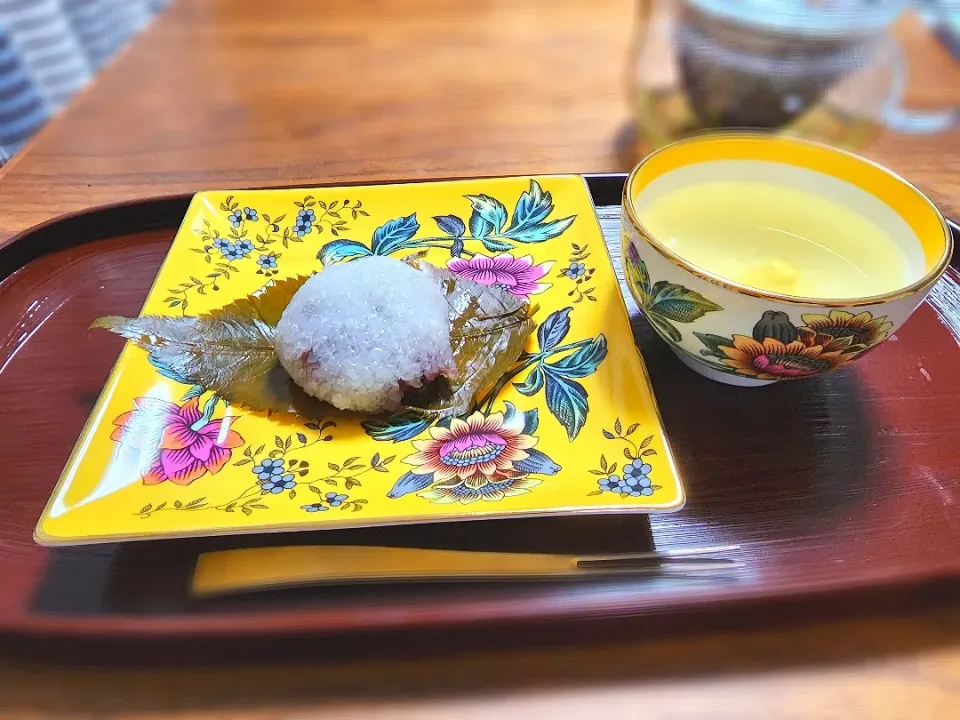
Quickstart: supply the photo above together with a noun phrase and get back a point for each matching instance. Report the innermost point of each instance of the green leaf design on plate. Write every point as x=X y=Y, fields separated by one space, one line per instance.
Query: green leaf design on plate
x=489 y=215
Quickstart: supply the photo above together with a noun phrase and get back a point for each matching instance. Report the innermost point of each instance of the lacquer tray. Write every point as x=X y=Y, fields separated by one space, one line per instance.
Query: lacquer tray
x=573 y=428
x=838 y=483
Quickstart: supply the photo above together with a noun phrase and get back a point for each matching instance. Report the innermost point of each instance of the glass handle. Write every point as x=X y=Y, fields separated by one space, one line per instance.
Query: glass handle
x=914 y=122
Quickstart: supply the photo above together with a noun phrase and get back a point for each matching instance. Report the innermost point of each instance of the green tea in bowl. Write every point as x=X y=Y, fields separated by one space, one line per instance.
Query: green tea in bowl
x=762 y=258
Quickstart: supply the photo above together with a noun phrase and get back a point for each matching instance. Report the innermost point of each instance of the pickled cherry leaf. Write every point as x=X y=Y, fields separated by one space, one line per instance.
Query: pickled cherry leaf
x=228 y=351
x=488 y=329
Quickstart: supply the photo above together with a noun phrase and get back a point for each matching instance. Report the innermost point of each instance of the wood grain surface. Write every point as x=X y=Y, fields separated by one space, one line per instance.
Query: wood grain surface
x=874 y=668
x=243 y=93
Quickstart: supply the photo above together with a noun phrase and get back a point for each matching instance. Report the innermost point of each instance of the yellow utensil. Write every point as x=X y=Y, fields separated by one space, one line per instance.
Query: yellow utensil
x=230 y=571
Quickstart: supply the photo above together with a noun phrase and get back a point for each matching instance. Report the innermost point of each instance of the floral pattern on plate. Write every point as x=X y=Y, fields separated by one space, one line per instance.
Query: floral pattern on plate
x=518 y=276
x=163 y=458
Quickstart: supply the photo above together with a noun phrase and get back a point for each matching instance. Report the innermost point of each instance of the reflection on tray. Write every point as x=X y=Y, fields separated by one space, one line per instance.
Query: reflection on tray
x=154 y=577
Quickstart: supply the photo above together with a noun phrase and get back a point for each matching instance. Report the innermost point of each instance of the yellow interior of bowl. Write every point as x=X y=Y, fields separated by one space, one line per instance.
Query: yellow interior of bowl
x=909 y=203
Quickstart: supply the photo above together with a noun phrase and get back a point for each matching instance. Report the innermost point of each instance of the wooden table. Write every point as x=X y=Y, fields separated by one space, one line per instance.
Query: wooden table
x=239 y=93
x=907 y=667
x=243 y=93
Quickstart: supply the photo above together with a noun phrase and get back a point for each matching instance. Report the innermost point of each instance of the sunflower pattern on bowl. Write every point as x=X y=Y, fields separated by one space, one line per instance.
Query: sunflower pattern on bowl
x=777 y=350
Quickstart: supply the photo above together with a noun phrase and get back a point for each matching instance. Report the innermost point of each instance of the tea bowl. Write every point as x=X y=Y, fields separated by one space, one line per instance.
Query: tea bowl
x=739 y=333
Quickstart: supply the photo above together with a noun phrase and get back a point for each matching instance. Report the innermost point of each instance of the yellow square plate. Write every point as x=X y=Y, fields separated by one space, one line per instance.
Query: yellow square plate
x=576 y=416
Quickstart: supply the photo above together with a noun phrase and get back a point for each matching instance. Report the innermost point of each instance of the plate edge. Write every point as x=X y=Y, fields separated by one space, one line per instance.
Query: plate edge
x=40 y=536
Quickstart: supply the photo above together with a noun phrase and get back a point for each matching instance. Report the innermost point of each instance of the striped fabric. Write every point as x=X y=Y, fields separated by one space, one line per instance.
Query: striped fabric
x=48 y=47
x=104 y=26
x=22 y=110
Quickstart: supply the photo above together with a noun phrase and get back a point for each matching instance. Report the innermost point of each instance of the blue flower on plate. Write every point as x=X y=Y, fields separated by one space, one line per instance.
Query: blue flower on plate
x=302 y=228
x=268 y=468
x=235 y=218
x=575 y=270
x=250 y=214
x=335 y=499
x=232 y=252
x=267 y=262
x=220 y=243
x=637 y=468
x=244 y=246
x=636 y=485
x=314 y=507
x=277 y=484
x=610 y=484
x=307 y=216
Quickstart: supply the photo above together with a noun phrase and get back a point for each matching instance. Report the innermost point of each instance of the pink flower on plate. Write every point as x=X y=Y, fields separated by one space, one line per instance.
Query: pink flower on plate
x=519 y=276
x=182 y=444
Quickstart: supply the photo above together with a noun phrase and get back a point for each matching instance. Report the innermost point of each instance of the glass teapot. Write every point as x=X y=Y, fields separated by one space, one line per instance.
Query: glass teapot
x=828 y=70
